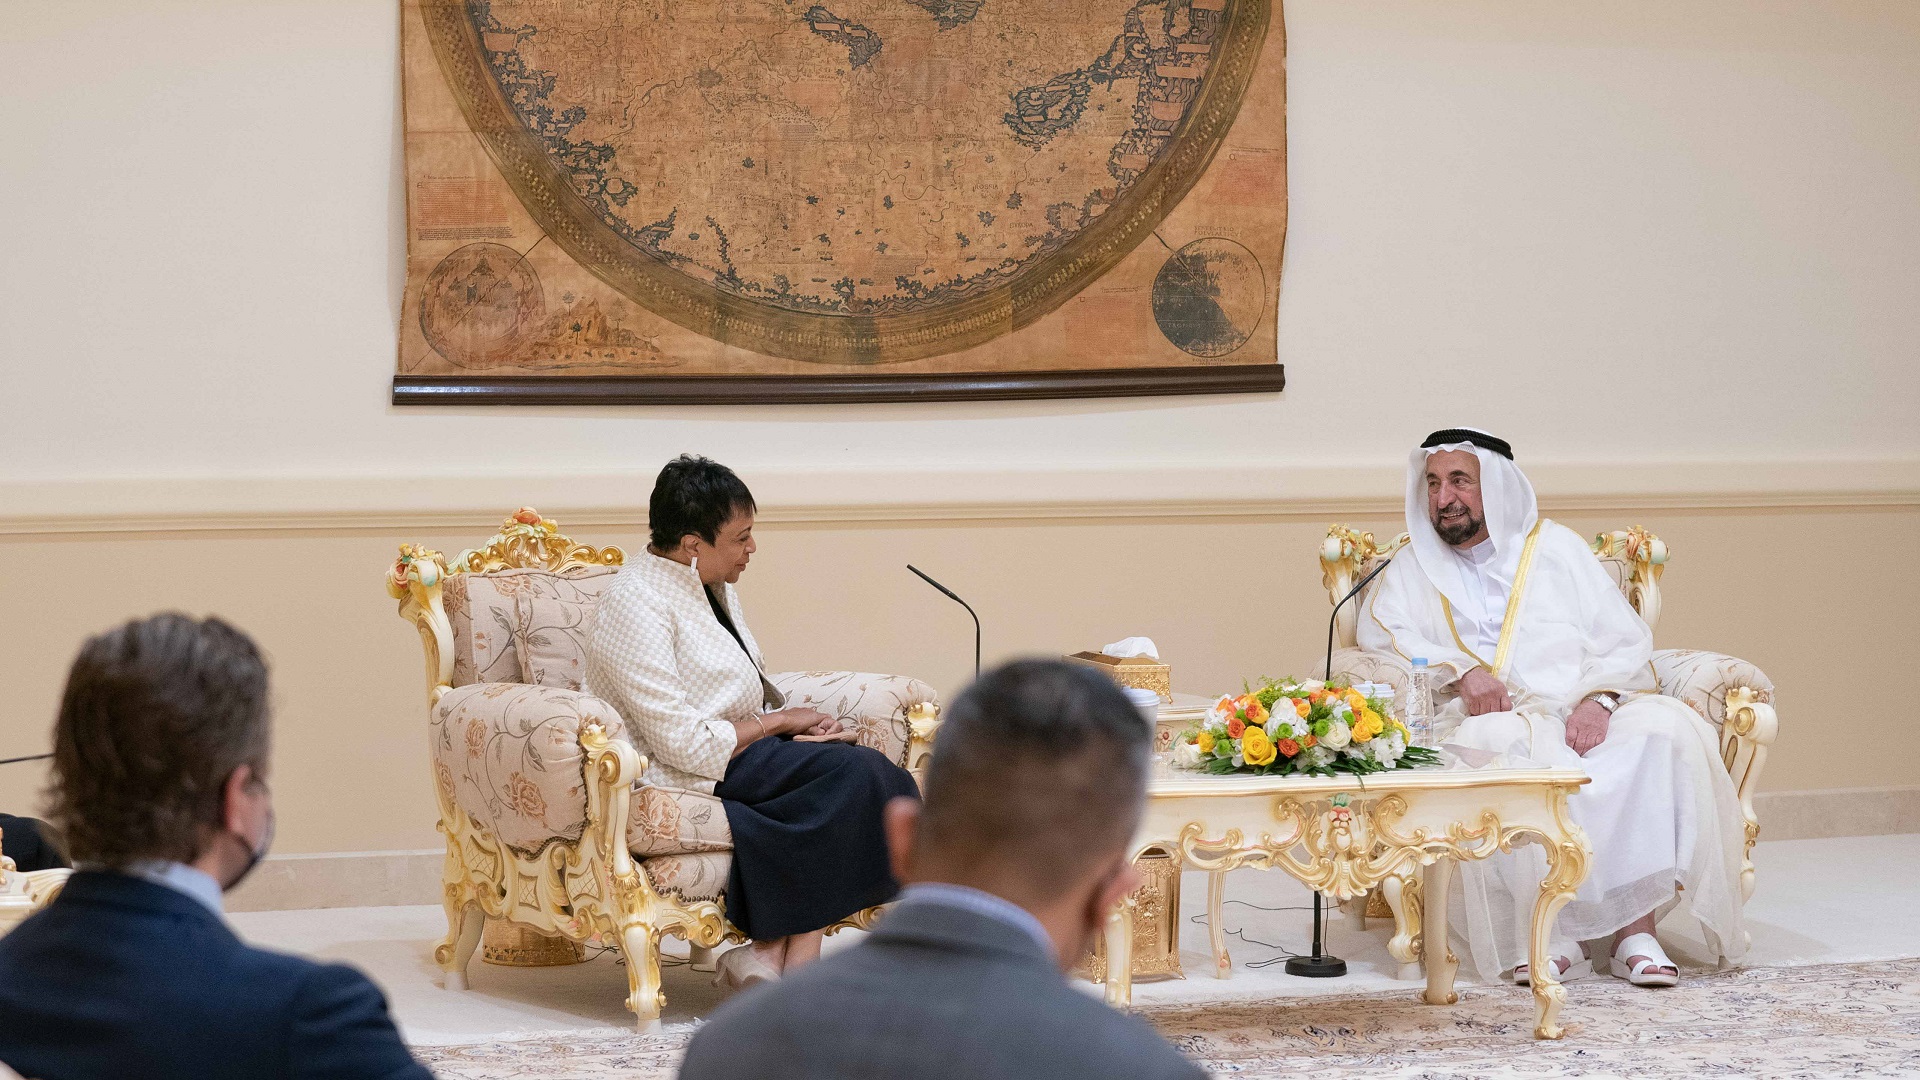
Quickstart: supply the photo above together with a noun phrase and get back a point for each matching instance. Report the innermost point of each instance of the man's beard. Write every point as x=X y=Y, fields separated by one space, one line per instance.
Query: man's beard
x=1460 y=531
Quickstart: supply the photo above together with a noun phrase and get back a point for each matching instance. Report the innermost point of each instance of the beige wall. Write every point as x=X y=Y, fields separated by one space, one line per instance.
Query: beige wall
x=1681 y=232
x=1226 y=598
x=1668 y=249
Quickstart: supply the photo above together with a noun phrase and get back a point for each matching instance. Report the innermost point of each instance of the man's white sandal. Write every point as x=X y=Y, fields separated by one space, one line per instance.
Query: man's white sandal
x=1578 y=966
x=741 y=967
x=1647 y=971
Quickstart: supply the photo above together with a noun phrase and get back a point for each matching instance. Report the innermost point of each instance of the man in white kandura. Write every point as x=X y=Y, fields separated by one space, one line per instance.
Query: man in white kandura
x=1550 y=666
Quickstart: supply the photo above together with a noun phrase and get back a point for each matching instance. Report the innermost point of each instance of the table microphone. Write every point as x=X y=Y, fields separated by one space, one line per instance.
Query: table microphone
x=1320 y=965
x=1351 y=593
x=956 y=599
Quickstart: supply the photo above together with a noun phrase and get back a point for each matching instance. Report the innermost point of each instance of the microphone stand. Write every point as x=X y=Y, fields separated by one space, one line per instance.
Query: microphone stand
x=956 y=599
x=29 y=757
x=1319 y=965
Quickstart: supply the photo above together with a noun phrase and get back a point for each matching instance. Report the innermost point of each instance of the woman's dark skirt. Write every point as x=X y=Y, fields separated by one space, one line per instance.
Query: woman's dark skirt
x=808 y=845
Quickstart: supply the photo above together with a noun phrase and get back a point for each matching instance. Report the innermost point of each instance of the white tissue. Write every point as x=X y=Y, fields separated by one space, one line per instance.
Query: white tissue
x=1133 y=646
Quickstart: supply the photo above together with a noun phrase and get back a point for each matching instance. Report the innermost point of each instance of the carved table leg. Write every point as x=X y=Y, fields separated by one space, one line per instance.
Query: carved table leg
x=1566 y=869
x=644 y=997
x=1216 y=929
x=1119 y=933
x=1441 y=963
x=1403 y=897
x=465 y=920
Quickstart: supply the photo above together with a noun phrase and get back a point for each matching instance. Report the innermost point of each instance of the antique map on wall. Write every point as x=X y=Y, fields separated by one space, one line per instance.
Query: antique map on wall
x=784 y=200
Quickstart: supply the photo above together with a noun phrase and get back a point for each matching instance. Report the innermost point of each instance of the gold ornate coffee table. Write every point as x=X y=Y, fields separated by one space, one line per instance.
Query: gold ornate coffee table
x=1343 y=835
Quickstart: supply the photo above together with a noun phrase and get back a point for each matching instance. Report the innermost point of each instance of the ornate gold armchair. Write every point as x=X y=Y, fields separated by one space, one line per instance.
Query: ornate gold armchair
x=1733 y=695
x=549 y=828
x=22 y=892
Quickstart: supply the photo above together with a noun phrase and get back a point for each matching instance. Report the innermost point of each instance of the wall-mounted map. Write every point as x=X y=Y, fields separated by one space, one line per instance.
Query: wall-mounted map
x=649 y=200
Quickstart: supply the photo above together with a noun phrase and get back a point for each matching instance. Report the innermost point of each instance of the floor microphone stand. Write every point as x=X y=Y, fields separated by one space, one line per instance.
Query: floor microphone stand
x=1319 y=965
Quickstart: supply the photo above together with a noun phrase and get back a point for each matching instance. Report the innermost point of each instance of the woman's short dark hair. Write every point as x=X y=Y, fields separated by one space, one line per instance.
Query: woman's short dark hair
x=694 y=495
x=157 y=714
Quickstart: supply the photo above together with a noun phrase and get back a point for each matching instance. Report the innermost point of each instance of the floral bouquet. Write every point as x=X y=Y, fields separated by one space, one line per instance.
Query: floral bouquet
x=1288 y=727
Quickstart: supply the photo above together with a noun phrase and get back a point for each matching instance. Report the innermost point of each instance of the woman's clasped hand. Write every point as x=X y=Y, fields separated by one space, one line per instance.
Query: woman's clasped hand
x=807 y=725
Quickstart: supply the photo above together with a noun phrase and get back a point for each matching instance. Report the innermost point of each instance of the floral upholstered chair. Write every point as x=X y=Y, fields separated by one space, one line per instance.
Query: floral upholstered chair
x=1734 y=696
x=549 y=828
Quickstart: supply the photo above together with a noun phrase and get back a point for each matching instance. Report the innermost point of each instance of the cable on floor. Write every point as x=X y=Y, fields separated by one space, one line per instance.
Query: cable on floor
x=1255 y=965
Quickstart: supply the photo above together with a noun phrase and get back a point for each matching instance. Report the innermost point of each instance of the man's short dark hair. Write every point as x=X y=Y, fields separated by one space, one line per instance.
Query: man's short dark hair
x=1041 y=766
x=157 y=714
x=694 y=495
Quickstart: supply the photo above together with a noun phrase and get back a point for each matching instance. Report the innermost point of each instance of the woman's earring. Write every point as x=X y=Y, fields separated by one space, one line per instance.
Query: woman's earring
x=696 y=566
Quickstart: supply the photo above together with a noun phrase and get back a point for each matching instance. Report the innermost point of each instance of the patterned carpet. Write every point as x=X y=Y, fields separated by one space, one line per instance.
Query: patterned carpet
x=1858 y=1020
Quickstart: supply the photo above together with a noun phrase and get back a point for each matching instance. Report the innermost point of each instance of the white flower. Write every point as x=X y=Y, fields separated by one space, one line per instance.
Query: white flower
x=1186 y=755
x=1238 y=761
x=1396 y=745
x=1338 y=735
x=1317 y=757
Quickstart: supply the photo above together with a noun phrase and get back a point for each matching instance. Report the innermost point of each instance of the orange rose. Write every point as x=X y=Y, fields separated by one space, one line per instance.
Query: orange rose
x=1236 y=727
x=1300 y=706
x=1308 y=740
x=1289 y=747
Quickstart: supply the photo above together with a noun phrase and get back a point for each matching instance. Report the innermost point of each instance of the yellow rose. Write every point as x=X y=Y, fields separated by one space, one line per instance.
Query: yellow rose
x=1366 y=724
x=1256 y=748
x=1206 y=742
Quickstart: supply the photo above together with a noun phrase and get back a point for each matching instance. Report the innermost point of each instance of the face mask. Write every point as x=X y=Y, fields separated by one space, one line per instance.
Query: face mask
x=254 y=855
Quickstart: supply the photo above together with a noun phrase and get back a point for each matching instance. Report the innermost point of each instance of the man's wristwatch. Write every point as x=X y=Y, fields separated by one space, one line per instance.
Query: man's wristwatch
x=1606 y=699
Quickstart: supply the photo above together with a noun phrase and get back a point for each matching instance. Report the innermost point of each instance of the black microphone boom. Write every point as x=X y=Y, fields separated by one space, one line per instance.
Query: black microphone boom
x=29 y=757
x=1320 y=965
x=1351 y=593
x=956 y=599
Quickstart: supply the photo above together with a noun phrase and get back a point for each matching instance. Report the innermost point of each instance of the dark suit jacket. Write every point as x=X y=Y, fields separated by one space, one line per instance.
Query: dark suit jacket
x=121 y=978
x=23 y=840
x=936 y=992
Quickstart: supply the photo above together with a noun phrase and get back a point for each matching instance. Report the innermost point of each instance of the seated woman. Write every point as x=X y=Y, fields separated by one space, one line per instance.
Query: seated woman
x=671 y=651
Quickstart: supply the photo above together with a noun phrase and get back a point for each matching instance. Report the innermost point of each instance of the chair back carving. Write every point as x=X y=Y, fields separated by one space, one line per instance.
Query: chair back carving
x=1640 y=557
x=526 y=541
x=1637 y=559
x=1347 y=556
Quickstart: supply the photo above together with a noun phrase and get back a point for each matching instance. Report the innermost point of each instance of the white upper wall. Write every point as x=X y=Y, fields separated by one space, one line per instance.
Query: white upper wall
x=1611 y=229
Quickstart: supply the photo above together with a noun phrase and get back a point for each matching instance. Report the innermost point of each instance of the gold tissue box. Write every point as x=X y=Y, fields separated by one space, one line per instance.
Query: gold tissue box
x=1136 y=671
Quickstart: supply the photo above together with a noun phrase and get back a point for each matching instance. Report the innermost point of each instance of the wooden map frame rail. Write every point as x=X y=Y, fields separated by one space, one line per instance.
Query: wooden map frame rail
x=817 y=389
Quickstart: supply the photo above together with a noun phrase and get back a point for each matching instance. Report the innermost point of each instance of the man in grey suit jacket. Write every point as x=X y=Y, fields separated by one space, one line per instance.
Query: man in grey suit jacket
x=1011 y=865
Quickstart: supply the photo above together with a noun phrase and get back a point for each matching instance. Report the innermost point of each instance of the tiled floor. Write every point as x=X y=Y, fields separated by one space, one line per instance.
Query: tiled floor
x=1819 y=901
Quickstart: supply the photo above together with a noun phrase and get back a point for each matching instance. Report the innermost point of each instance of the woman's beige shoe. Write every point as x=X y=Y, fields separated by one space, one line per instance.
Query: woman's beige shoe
x=741 y=967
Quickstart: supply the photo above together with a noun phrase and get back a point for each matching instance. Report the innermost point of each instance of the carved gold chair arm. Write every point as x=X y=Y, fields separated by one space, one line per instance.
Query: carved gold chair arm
x=612 y=767
x=923 y=725
x=1745 y=740
x=415 y=579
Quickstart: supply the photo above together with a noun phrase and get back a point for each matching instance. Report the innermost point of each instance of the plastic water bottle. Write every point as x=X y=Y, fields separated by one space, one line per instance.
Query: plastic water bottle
x=1420 y=704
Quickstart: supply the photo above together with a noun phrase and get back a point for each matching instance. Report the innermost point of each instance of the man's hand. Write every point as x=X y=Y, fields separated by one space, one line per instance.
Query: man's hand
x=1483 y=692
x=1587 y=726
